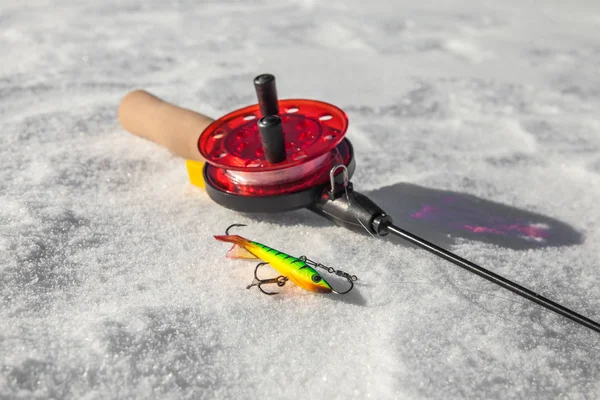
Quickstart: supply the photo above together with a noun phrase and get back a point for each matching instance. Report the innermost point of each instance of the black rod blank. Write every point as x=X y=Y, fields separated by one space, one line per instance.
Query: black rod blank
x=497 y=279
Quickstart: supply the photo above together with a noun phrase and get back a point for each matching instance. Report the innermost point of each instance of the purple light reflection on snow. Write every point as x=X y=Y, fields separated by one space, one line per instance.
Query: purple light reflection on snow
x=472 y=220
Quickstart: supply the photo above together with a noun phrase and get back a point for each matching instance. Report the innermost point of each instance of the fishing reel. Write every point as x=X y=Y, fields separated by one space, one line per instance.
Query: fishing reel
x=283 y=155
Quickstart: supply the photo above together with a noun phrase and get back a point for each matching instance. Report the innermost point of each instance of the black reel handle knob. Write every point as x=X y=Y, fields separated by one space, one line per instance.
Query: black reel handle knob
x=272 y=138
x=266 y=92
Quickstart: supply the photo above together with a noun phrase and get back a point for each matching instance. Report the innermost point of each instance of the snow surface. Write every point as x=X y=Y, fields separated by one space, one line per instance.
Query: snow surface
x=475 y=123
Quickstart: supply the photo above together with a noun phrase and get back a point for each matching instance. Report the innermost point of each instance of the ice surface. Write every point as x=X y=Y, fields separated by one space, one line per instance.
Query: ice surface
x=476 y=123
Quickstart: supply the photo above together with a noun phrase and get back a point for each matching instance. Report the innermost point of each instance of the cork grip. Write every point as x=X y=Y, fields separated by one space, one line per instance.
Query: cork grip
x=173 y=127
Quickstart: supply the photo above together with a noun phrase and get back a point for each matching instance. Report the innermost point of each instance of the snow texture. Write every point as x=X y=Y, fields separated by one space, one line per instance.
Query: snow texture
x=475 y=124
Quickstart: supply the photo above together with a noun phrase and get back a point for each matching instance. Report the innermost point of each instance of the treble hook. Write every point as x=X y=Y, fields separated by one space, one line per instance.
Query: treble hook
x=231 y=226
x=280 y=280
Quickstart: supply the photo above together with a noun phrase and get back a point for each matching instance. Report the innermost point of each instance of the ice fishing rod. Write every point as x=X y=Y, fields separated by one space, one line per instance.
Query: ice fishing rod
x=281 y=155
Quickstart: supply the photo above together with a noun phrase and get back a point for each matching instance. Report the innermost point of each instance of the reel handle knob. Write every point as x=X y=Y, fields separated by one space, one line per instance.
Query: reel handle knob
x=168 y=125
x=272 y=138
x=266 y=93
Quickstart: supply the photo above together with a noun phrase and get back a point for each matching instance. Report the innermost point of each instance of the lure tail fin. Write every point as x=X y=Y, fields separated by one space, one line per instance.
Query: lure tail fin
x=232 y=239
x=238 y=250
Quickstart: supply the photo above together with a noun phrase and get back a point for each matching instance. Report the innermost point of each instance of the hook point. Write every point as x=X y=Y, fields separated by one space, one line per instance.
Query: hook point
x=231 y=226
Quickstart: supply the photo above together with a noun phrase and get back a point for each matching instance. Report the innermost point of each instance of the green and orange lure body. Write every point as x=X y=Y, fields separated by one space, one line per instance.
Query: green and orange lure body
x=300 y=270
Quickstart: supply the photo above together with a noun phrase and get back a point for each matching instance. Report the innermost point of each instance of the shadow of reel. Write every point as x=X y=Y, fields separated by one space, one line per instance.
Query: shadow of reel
x=445 y=217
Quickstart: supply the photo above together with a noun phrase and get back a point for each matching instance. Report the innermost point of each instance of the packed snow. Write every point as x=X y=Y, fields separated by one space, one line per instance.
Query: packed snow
x=475 y=125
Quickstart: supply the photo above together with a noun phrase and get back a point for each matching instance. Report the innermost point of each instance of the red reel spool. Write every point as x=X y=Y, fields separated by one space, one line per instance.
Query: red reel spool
x=238 y=174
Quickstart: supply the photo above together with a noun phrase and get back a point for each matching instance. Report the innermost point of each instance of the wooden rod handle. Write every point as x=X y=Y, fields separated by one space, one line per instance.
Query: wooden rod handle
x=168 y=125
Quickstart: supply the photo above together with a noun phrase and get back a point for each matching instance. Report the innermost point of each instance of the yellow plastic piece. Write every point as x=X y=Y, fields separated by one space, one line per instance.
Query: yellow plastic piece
x=194 y=169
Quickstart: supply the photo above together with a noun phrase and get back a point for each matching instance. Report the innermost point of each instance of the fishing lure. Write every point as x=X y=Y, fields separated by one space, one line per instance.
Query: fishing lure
x=300 y=270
